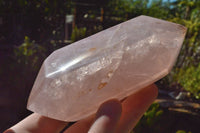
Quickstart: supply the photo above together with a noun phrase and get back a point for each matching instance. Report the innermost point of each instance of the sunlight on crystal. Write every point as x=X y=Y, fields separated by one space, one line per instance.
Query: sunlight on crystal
x=69 y=64
x=111 y=64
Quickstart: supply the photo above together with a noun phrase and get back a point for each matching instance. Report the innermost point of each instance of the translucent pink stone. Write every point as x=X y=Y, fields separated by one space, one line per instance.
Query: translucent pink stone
x=74 y=80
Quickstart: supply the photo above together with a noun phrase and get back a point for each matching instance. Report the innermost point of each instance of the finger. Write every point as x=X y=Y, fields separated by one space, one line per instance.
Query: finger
x=36 y=123
x=107 y=117
x=135 y=106
x=84 y=125
x=81 y=126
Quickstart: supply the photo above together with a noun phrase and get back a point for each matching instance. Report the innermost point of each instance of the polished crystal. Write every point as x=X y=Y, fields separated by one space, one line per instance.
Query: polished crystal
x=74 y=80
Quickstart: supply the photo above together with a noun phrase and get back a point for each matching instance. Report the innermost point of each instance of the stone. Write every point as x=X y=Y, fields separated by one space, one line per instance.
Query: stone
x=74 y=80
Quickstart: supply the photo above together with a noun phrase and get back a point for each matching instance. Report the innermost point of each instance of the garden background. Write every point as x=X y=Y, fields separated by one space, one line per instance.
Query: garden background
x=31 y=30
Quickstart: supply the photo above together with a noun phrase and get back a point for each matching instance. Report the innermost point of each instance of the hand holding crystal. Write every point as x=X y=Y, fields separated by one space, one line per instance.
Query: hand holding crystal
x=112 y=117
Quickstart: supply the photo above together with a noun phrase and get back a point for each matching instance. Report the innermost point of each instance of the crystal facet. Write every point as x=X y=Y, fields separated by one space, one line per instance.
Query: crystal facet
x=74 y=80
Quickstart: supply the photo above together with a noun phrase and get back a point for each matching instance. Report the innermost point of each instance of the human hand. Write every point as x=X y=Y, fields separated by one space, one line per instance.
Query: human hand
x=112 y=117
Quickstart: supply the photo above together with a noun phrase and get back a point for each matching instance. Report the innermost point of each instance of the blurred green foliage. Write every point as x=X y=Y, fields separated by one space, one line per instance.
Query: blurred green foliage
x=186 y=71
x=149 y=119
x=127 y=9
x=27 y=57
x=153 y=114
x=78 y=33
x=189 y=79
x=188 y=13
x=29 y=54
x=182 y=131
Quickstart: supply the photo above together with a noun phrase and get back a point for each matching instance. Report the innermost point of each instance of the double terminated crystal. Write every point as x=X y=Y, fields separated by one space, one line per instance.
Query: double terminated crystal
x=76 y=79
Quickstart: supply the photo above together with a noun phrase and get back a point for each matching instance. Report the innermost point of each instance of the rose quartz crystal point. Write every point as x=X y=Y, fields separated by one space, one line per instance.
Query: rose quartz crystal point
x=74 y=80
